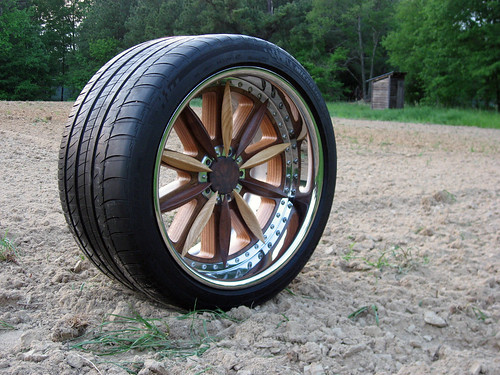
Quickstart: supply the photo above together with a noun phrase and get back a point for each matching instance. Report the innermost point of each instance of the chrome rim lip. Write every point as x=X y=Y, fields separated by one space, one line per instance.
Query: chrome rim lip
x=317 y=178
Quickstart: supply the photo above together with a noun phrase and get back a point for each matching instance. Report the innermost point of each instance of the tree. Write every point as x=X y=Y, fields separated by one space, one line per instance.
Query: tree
x=356 y=27
x=450 y=49
x=23 y=58
x=59 y=20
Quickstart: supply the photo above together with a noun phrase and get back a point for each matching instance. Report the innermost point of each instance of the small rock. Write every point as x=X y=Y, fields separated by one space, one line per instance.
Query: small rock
x=314 y=369
x=240 y=313
x=373 y=331
x=426 y=232
x=476 y=368
x=444 y=197
x=337 y=331
x=415 y=344
x=354 y=350
x=121 y=309
x=411 y=328
x=152 y=367
x=364 y=245
x=69 y=327
x=310 y=352
x=78 y=267
x=32 y=356
x=435 y=320
x=74 y=361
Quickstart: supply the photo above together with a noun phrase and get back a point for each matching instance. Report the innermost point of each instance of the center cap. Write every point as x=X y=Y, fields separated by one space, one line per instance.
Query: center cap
x=224 y=176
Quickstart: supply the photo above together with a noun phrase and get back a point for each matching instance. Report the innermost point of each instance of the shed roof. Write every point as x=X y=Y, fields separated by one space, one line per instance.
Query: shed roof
x=395 y=74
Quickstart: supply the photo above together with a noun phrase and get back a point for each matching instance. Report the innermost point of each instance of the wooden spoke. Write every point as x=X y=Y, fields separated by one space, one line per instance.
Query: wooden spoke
x=224 y=231
x=265 y=155
x=303 y=134
x=227 y=119
x=262 y=188
x=251 y=127
x=248 y=216
x=183 y=162
x=199 y=223
x=211 y=105
x=180 y=196
x=199 y=131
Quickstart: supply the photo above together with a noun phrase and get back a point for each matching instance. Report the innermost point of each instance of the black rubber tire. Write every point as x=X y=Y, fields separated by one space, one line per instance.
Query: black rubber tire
x=110 y=148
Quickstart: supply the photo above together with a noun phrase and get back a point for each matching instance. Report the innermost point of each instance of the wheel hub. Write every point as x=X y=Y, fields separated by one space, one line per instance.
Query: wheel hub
x=224 y=176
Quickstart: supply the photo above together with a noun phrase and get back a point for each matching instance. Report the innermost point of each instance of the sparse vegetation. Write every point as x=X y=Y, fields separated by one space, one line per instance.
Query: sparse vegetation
x=395 y=257
x=123 y=334
x=5 y=325
x=363 y=310
x=8 y=252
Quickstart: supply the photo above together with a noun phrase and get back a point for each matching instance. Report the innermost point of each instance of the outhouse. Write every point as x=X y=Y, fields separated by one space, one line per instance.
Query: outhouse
x=387 y=90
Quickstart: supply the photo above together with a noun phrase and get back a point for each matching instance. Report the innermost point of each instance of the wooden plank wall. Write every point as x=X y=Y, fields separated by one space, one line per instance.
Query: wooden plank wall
x=380 y=93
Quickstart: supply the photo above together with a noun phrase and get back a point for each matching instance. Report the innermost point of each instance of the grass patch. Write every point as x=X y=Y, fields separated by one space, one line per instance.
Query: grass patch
x=417 y=114
x=364 y=310
x=5 y=325
x=396 y=257
x=8 y=251
x=123 y=334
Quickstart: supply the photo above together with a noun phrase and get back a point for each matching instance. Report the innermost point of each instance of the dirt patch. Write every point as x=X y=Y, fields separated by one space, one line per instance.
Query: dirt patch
x=406 y=279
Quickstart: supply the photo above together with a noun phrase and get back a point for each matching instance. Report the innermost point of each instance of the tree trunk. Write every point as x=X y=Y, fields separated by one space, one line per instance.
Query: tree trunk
x=270 y=7
x=362 y=58
x=372 y=60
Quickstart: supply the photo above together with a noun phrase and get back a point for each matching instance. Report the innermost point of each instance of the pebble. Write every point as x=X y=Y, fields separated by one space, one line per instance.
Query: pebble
x=152 y=367
x=355 y=349
x=32 y=356
x=476 y=368
x=314 y=369
x=74 y=360
x=435 y=320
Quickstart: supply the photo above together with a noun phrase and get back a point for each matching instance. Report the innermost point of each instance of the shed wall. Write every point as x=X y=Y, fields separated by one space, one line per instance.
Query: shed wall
x=380 y=93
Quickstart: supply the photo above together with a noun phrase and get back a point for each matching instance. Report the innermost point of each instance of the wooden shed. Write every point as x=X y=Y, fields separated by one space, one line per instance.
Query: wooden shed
x=388 y=90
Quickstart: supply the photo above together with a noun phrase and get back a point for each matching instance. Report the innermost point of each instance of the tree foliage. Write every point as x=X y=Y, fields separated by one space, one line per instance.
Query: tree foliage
x=23 y=58
x=450 y=48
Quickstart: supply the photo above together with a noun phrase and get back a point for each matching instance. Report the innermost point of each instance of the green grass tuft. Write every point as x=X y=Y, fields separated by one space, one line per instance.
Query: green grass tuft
x=8 y=251
x=124 y=334
x=363 y=310
x=5 y=325
x=417 y=114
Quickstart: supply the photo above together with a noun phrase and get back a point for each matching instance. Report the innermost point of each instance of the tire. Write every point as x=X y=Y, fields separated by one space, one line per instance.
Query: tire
x=199 y=170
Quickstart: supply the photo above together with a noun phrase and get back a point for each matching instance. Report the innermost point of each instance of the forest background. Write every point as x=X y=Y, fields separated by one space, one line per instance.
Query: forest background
x=450 y=49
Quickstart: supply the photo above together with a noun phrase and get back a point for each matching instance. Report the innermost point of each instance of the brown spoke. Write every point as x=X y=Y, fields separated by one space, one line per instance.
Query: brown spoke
x=262 y=188
x=265 y=155
x=301 y=203
x=181 y=196
x=211 y=107
x=199 y=223
x=251 y=126
x=248 y=216
x=296 y=119
x=183 y=162
x=199 y=131
x=224 y=230
x=302 y=135
x=227 y=119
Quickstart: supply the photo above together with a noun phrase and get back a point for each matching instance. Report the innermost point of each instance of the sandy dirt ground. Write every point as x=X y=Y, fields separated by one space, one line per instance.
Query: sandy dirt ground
x=406 y=279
